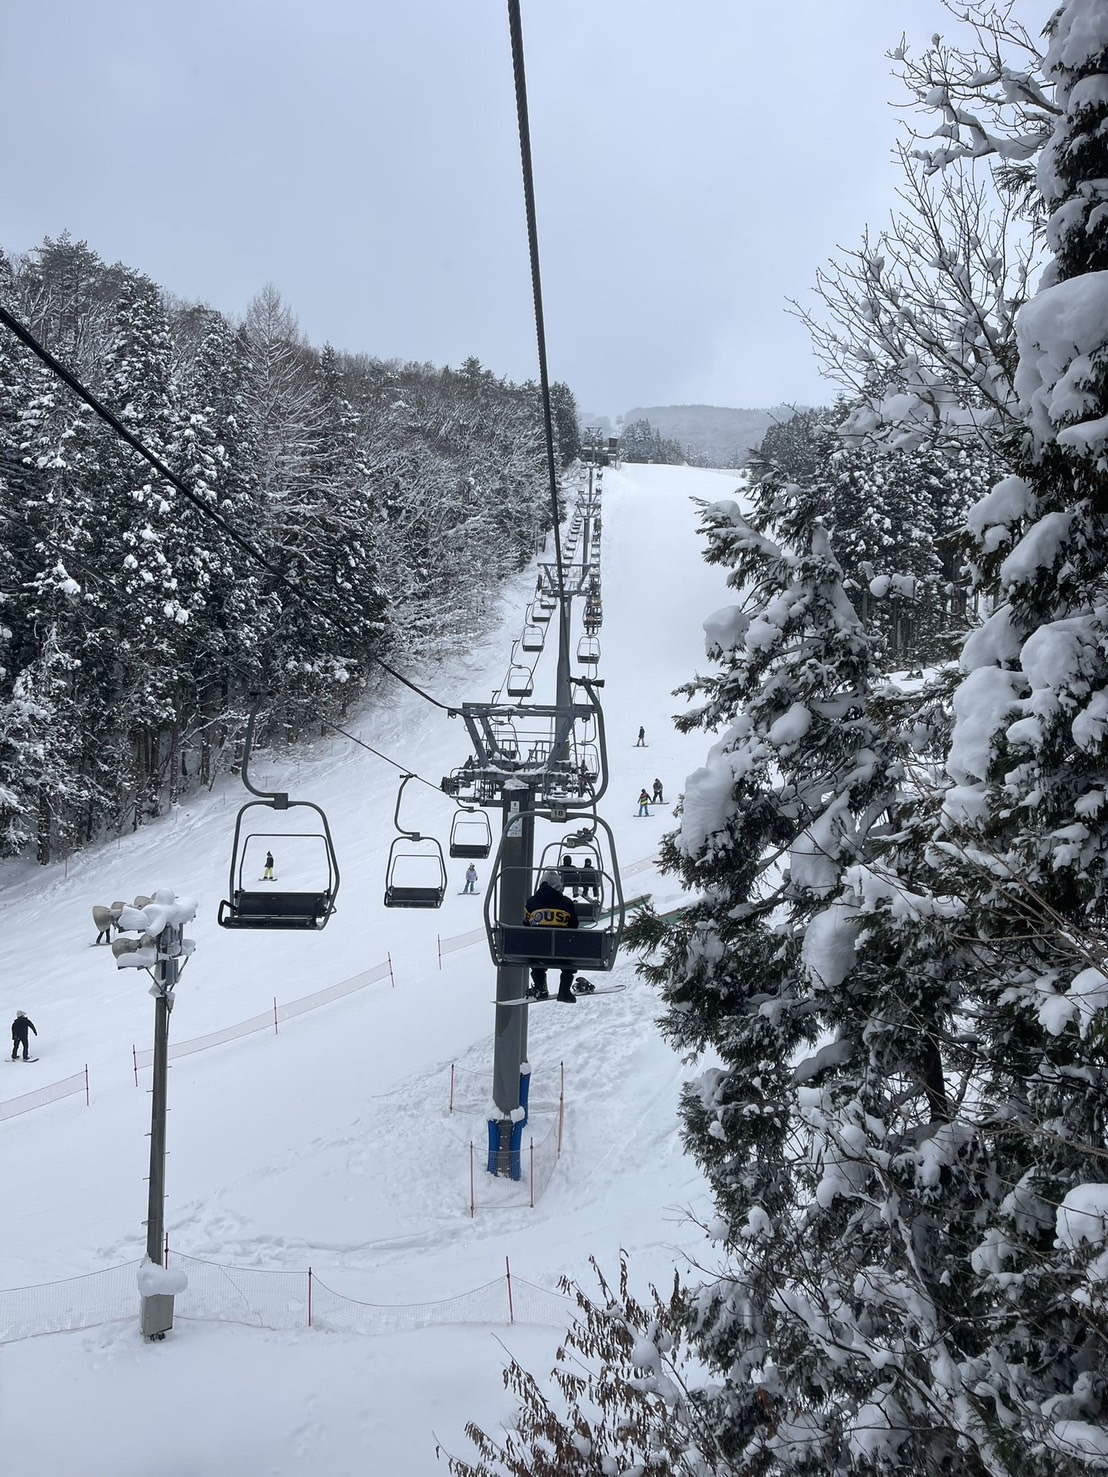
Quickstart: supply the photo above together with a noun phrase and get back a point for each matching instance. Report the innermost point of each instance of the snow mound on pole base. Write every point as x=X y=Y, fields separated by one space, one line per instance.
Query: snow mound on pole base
x=155 y=1281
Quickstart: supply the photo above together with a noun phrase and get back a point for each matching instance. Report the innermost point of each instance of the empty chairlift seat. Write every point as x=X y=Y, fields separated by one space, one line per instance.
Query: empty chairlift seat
x=470 y=834
x=415 y=876
x=588 y=651
x=309 y=854
x=520 y=682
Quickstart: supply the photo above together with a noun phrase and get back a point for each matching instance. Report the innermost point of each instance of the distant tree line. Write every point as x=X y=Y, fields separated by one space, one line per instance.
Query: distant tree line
x=393 y=498
x=640 y=442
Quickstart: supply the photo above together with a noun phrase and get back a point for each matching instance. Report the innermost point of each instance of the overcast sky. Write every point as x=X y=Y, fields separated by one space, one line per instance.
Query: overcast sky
x=696 y=161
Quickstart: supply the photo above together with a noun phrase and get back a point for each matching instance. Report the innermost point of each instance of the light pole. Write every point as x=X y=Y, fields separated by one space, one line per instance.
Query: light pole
x=161 y=950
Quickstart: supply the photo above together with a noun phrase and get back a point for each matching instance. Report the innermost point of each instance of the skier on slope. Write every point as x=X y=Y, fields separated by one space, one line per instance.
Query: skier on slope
x=644 y=802
x=20 y=1026
x=658 y=800
x=550 y=908
x=267 y=873
x=640 y=743
x=471 y=878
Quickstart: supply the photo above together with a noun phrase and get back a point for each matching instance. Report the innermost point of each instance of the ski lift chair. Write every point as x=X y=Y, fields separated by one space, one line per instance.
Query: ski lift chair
x=519 y=682
x=533 y=638
x=470 y=833
x=511 y=941
x=270 y=908
x=415 y=876
x=588 y=651
x=576 y=877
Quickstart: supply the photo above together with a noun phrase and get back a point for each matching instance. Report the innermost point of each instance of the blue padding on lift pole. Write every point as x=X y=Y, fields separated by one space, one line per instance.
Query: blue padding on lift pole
x=516 y=1140
x=494 y=1141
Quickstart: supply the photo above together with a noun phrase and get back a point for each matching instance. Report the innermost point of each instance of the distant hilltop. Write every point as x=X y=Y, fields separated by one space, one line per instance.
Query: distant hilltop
x=713 y=435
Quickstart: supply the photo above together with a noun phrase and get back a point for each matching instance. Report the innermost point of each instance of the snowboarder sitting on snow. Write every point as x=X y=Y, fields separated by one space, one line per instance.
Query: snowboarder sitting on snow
x=267 y=874
x=658 y=800
x=20 y=1026
x=471 y=878
x=644 y=802
x=550 y=908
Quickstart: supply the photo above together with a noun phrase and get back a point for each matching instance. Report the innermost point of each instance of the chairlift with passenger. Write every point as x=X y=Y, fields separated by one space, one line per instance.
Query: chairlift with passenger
x=513 y=942
x=577 y=860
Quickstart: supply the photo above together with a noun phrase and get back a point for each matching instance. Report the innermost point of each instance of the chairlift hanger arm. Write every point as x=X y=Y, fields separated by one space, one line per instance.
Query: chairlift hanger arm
x=278 y=799
x=411 y=835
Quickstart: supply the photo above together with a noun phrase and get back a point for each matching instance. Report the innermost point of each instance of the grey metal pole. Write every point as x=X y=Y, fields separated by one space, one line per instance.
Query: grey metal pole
x=510 y=1032
x=156 y=1315
x=155 y=1211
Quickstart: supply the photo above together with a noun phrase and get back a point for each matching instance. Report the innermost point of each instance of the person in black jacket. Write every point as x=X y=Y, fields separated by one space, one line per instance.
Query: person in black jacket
x=20 y=1026
x=550 y=908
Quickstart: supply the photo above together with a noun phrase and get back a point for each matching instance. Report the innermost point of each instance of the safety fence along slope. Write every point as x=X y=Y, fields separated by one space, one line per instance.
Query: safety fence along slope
x=278 y=1300
x=53 y=1092
x=267 y=1020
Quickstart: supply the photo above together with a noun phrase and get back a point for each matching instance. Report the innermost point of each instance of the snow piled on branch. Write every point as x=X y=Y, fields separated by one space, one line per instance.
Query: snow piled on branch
x=1063 y=343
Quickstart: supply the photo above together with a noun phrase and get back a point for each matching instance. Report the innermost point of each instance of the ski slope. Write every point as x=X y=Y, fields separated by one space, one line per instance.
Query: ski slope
x=329 y=1144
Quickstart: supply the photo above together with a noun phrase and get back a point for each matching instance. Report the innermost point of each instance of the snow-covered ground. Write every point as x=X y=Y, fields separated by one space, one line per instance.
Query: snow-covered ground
x=330 y=1144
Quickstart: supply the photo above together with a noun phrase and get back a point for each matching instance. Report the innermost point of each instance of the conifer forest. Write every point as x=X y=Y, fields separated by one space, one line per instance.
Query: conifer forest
x=393 y=497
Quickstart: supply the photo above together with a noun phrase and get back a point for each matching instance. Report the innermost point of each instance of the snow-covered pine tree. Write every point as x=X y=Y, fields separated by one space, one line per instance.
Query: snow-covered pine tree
x=823 y=974
x=149 y=602
x=1027 y=814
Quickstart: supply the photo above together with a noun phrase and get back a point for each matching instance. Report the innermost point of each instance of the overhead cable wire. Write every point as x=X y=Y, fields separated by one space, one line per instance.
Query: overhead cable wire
x=516 y=28
x=27 y=338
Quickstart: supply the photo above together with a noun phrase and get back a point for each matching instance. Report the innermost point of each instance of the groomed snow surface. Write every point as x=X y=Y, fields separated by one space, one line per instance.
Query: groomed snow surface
x=330 y=1144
